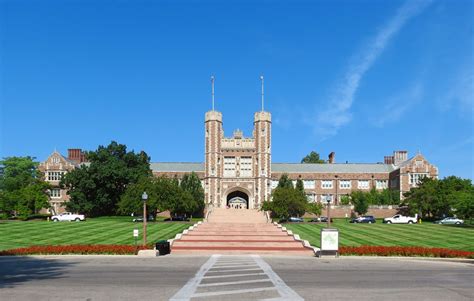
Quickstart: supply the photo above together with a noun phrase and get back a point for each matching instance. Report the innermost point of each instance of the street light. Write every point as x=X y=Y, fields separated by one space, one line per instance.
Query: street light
x=144 y=198
x=328 y=200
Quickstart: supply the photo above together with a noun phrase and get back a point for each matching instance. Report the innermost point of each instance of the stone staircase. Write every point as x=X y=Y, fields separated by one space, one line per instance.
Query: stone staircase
x=238 y=231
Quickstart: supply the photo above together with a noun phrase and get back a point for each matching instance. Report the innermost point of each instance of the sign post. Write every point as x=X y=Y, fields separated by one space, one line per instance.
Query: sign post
x=329 y=242
x=135 y=235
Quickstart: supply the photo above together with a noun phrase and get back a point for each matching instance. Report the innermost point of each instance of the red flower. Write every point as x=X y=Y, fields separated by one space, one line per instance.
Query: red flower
x=404 y=251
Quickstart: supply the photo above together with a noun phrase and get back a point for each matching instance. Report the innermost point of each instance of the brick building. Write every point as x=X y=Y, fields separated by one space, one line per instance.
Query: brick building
x=238 y=170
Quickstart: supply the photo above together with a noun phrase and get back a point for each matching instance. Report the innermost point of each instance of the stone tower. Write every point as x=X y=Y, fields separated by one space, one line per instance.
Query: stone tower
x=213 y=137
x=262 y=171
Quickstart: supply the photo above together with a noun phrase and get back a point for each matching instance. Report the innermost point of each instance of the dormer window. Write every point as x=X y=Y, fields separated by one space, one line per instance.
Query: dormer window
x=55 y=160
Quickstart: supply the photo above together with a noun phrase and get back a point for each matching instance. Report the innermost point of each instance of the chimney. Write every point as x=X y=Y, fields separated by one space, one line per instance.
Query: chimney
x=388 y=159
x=76 y=155
x=332 y=157
x=399 y=157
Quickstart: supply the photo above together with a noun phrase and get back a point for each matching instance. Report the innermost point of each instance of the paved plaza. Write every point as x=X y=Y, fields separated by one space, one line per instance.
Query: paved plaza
x=227 y=277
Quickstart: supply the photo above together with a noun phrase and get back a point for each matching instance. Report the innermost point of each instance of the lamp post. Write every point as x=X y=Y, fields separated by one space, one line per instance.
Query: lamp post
x=328 y=200
x=144 y=198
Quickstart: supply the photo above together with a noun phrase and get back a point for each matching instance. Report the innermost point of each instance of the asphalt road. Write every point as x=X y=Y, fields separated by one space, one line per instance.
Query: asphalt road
x=232 y=278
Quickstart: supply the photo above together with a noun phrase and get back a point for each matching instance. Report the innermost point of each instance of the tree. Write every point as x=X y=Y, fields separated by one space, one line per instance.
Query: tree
x=22 y=189
x=314 y=208
x=131 y=201
x=437 y=198
x=300 y=186
x=285 y=182
x=312 y=157
x=359 y=200
x=96 y=189
x=287 y=202
x=192 y=184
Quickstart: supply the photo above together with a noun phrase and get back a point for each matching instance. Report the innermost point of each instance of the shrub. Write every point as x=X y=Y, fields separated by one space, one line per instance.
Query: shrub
x=404 y=251
x=75 y=249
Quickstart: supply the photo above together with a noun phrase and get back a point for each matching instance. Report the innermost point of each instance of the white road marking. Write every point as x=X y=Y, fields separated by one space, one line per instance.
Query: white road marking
x=235 y=270
x=189 y=288
x=242 y=291
x=218 y=264
x=234 y=282
x=233 y=275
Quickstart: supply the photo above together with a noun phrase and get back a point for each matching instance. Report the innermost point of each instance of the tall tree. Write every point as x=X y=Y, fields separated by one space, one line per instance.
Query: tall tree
x=192 y=184
x=285 y=182
x=360 y=202
x=312 y=157
x=96 y=189
x=22 y=189
x=300 y=187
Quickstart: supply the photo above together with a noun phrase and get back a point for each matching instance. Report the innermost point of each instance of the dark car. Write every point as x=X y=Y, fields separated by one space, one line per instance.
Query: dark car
x=367 y=219
x=140 y=218
x=178 y=218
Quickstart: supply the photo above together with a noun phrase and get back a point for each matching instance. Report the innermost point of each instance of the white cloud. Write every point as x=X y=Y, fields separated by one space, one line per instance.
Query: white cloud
x=461 y=93
x=338 y=113
x=397 y=106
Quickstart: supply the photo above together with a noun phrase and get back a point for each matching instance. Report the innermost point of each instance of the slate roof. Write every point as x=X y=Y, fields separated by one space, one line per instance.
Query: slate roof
x=284 y=167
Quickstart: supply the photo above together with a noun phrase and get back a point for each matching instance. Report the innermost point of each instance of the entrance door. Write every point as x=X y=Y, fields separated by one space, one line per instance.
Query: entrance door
x=238 y=199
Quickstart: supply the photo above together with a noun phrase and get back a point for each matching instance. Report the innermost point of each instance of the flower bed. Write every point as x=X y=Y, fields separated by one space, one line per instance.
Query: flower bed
x=404 y=251
x=74 y=249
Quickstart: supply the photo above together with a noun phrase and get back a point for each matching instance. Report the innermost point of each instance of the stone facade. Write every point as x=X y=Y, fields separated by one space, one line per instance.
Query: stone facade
x=239 y=170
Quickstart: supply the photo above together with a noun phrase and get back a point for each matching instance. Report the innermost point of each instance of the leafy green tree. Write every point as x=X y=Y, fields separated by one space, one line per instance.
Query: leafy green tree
x=192 y=184
x=314 y=208
x=437 y=198
x=22 y=189
x=345 y=200
x=285 y=182
x=287 y=202
x=96 y=189
x=360 y=202
x=300 y=186
x=312 y=157
x=131 y=201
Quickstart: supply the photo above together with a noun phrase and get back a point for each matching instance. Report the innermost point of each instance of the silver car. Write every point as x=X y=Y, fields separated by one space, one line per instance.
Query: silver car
x=450 y=221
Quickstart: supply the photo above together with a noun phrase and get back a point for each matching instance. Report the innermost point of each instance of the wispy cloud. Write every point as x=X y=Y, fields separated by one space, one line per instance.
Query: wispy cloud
x=338 y=113
x=398 y=105
x=461 y=93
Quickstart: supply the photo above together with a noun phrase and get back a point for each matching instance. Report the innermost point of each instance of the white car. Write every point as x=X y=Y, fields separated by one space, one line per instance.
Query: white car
x=401 y=219
x=68 y=216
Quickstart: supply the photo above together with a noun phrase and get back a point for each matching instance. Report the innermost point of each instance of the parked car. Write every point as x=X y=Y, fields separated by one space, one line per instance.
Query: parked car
x=68 y=216
x=295 y=219
x=321 y=219
x=401 y=219
x=450 y=221
x=369 y=219
x=178 y=218
x=139 y=218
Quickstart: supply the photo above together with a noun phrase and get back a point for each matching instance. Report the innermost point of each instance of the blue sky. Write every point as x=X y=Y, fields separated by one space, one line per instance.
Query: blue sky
x=361 y=78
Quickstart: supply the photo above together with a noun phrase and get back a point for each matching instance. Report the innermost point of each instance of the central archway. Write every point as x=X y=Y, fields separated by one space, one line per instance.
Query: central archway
x=238 y=199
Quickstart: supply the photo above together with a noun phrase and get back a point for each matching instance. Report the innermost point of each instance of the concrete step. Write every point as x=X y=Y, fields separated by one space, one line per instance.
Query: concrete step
x=236 y=238
x=230 y=243
x=243 y=250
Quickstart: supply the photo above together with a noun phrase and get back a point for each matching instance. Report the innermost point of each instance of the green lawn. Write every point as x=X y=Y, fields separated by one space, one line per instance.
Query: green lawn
x=378 y=234
x=104 y=230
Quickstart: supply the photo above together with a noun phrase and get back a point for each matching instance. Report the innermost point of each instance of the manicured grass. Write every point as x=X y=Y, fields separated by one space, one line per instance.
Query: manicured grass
x=378 y=234
x=105 y=230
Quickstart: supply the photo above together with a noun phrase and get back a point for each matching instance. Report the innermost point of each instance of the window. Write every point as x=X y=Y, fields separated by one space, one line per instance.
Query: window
x=309 y=184
x=381 y=184
x=345 y=184
x=419 y=163
x=363 y=184
x=416 y=177
x=246 y=166
x=326 y=184
x=55 y=193
x=311 y=198
x=55 y=160
x=229 y=166
x=55 y=175
x=274 y=184
x=324 y=198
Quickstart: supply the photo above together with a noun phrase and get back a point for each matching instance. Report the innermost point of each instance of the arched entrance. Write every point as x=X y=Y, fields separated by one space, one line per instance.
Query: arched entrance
x=238 y=199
